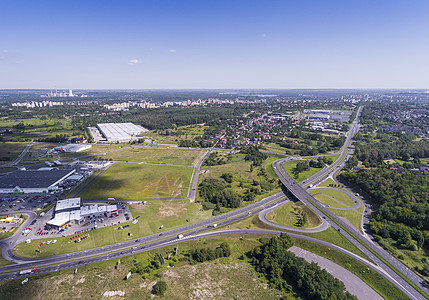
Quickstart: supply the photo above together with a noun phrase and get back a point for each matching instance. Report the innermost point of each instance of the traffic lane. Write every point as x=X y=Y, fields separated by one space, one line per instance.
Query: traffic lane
x=81 y=254
x=301 y=194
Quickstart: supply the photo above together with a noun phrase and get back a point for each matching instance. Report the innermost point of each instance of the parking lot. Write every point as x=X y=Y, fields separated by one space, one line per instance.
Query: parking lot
x=39 y=229
x=15 y=203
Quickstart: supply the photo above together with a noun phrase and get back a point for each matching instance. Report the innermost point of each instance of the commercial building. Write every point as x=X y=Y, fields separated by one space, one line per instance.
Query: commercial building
x=73 y=148
x=33 y=181
x=70 y=211
x=119 y=132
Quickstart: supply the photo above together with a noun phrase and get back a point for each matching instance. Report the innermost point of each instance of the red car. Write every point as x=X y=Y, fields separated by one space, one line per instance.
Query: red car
x=161 y=234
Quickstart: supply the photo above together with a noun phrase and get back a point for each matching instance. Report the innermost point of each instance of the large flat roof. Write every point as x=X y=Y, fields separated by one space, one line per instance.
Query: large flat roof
x=33 y=178
x=71 y=203
x=119 y=131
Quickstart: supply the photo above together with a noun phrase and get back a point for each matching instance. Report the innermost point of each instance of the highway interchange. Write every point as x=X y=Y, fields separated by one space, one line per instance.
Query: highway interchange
x=205 y=228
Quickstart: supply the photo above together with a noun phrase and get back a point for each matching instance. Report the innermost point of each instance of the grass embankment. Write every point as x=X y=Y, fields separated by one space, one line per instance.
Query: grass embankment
x=380 y=284
x=331 y=183
x=291 y=213
x=224 y=278
x=353 y=216
x=170 y=213
x=4 y=262
x=268 y=165
x=336 y=197
x=155 y=155
x=329 y=235
x=134 y=181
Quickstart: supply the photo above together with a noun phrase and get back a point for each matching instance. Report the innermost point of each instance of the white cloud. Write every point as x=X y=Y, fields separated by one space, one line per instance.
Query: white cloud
x=5 y=51
x=133 y=62
x=264 y=35
x=172 y=50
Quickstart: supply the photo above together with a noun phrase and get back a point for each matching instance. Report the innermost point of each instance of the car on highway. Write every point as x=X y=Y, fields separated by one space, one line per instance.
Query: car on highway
x=161 y=234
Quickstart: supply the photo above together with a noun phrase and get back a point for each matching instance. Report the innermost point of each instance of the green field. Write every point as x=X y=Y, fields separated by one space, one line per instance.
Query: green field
x=322 y=198
x=155 y=155
x=289 y=165
x=4 y=262
x=224 y=278
x=331 y=182
x=175 y=135
x=10 y=151
x=170 y=213
x=289 y=214
x=240 y=169
x=353 y=216
x=380 y=284
x=337 y=198
x=134 y=181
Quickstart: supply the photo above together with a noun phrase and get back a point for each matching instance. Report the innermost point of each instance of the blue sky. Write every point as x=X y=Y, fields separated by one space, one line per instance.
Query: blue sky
x=214 y=44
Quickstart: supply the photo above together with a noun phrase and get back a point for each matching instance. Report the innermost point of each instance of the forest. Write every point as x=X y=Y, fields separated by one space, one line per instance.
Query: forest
x=290 y=273
x=400 y=204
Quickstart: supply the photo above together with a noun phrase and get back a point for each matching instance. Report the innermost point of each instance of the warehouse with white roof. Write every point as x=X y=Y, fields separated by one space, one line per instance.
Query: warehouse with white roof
x=119 y=132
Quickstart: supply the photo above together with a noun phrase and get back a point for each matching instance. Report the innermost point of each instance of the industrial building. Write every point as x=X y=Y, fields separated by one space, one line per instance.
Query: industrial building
x=33 y=181
x=119 y=132
x=73 y=148
x=70 y=211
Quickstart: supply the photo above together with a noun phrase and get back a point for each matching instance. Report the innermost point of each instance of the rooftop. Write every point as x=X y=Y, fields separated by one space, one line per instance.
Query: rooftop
x=33 y=178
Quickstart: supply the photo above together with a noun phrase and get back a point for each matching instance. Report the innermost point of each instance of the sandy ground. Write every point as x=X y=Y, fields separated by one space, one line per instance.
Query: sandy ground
x=353 y=284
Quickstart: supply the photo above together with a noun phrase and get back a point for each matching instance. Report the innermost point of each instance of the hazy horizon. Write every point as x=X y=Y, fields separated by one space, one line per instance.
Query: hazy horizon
x=214 y=45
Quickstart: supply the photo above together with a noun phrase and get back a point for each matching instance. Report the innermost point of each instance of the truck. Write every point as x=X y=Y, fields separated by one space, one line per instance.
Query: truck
x=180 y=236
x=215 y=225
x=29 y=271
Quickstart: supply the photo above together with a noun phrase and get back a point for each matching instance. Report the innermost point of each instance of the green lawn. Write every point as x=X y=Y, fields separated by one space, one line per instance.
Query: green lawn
x=289 y=165
x=156 y=155
x=330 y=183
x=336 y=195
x=225 y=278
x=289 y=215
x=134 y=181
x=322 y=198
x=380 y=284
x=353 y=216
x=170 y=213
x=334 y=237
x=4 y=262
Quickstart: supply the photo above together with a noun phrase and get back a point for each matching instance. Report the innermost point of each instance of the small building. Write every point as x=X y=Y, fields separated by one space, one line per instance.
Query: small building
x=73 y=148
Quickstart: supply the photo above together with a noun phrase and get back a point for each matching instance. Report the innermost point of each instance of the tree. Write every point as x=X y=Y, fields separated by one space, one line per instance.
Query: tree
x=160 y=288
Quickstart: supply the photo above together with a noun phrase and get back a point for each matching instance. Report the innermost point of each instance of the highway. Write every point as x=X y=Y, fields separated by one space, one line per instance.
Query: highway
x=301 y=194
x=201 y=229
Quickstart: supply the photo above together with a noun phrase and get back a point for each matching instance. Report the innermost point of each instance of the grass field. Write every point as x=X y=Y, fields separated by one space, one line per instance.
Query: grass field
x=322 y=198
x=10 y=151
x=336 y=197
x=381 y=285
x=170 y=213
x=134 y=181
x=155 y=155
x=224 y=278
x=180 y=133
x=4 y=262
x=289 y=214
x=289 y=165
x=331 y=182
x=353 y=216
x=240 y=169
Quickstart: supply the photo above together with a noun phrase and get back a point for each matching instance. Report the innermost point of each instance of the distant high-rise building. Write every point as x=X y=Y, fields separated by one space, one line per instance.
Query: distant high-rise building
x=70 y=93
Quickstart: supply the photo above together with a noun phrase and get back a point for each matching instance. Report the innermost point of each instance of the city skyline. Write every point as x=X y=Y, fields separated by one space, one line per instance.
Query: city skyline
x=214 y=45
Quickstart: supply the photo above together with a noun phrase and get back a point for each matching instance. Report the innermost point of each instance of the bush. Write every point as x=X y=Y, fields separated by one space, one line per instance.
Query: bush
x=160 y=288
